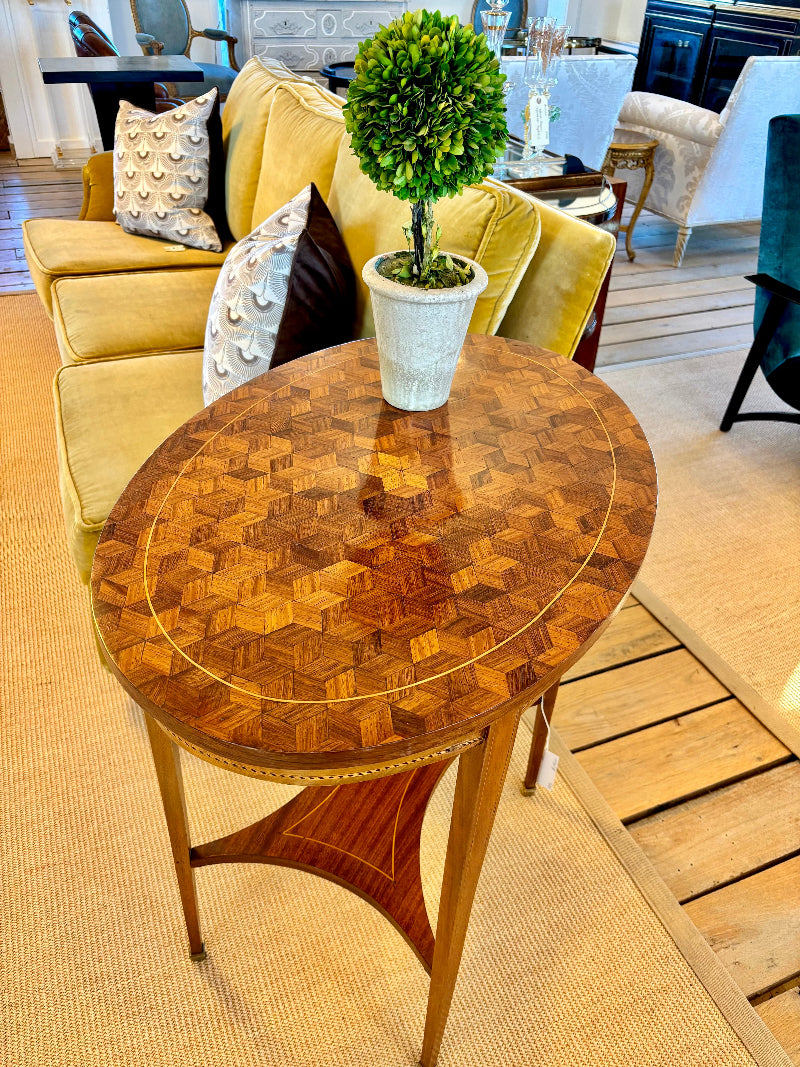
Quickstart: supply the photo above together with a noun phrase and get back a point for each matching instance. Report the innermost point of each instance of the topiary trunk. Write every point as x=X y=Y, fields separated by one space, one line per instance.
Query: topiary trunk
x=422 y=235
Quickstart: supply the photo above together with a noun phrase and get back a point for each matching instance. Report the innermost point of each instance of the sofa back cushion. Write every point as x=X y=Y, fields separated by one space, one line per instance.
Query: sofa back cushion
x=244 y=124
x=300 y=146
x=490 y=223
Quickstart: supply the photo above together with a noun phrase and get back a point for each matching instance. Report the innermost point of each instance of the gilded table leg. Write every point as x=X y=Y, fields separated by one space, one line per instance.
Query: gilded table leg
x=481 y=773
x=167 y=760
x=649 y=172
x=544 y=716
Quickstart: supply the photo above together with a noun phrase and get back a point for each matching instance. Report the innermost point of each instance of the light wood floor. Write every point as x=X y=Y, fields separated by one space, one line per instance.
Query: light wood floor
x=657 y=312
x=32 y=189
x=706 y=791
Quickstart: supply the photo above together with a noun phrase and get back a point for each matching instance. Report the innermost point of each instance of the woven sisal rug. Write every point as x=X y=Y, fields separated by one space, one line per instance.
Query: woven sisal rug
x=566 y=961
x=723 y=570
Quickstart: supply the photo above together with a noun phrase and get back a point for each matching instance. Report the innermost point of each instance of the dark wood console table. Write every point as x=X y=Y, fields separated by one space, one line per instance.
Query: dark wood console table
x=114 y=78
x=306 y=585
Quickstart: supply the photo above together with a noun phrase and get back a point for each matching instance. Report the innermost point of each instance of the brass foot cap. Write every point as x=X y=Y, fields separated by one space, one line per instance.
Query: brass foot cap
x=198 y=957
x=527 y=790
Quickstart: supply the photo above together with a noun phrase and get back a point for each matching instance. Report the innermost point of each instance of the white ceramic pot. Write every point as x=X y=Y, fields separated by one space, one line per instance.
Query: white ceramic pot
x=420 y=333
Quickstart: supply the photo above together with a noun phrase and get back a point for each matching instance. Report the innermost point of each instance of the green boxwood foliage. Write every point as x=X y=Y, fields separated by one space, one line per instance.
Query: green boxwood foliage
x=426 y=115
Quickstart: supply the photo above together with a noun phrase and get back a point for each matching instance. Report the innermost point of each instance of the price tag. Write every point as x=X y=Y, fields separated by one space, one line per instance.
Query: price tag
x=547 y=770
x=539 y=111
x=549 y=765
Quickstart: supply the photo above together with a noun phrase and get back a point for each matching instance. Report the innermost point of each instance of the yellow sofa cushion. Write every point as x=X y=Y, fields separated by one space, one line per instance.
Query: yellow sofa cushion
x=58 y=248
x=302 y=140
x=554 y=301
x=244 y=123
x=110 y=416
x=490 y=223
x=114 y=316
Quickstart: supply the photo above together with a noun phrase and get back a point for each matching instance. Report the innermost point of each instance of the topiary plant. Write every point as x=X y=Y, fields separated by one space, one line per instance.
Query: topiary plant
x=426 y=115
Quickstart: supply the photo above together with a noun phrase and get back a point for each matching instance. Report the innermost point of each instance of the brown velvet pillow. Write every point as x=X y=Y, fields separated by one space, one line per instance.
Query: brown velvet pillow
x=215 y=203
x=285 y=290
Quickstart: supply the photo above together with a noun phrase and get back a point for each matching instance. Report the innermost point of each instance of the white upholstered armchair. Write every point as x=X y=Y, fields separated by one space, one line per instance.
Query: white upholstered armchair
x=709 y=168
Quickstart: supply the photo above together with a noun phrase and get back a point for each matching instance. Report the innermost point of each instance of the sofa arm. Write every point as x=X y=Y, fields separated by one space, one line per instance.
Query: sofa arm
x=556 y=297
x=662 y=114
x=98 y=188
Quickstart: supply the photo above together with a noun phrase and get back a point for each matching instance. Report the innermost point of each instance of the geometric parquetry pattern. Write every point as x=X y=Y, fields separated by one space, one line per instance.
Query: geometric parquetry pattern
x=302 y=569
x=161 y=172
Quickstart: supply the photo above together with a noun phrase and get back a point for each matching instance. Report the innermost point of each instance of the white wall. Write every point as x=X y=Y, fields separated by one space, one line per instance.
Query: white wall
x=58 y=121
x=616 y=20
x=44 y=120
x=631 y=20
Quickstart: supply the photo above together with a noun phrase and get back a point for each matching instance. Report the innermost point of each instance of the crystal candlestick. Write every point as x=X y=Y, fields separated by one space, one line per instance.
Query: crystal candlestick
x=495 y=23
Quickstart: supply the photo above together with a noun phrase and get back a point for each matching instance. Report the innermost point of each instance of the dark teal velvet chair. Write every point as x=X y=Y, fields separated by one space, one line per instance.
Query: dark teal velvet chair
x=776 y=347
x=168 y=22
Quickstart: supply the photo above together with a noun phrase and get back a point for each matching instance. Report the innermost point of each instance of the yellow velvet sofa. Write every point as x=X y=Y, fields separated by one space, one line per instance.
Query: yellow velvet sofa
x=129 y=312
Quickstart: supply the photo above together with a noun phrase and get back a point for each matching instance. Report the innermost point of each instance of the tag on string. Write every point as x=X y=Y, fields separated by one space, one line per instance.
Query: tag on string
x=549 y=765
x=539 y=121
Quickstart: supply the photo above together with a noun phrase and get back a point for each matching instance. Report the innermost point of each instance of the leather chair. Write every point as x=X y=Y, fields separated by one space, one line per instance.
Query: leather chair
x=776 y=347
x=164 y=27
x=89 y=40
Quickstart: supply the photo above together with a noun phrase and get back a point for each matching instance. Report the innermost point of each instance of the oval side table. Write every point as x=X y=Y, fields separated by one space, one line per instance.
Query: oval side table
x=306 y=585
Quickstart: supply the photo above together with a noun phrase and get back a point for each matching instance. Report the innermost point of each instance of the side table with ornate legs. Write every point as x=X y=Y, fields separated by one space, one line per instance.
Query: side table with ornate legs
x=305 y=585
x=630 y=150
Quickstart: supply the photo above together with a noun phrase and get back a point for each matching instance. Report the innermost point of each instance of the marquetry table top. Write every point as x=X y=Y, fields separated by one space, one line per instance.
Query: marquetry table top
x=302 y=577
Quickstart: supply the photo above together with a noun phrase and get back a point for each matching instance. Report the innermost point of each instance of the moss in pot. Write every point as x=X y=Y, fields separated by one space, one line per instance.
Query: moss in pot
x=426 y=115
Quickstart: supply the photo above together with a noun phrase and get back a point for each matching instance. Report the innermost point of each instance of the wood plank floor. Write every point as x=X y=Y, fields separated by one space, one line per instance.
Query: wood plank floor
x=656 y=311
x=30 y=189
x=709 y=794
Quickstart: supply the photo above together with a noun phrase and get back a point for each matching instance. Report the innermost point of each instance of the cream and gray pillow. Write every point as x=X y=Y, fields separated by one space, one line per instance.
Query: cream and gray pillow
x=161 y=173
x=285 y=290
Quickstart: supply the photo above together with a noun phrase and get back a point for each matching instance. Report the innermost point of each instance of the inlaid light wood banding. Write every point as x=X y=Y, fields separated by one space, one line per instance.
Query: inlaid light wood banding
x=302 y=569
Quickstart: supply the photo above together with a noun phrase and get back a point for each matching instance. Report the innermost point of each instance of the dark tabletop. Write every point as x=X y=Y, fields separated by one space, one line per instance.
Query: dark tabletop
x=114 y=69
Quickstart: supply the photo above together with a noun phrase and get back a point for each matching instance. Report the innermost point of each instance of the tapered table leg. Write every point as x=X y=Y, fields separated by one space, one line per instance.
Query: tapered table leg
x=481 y=773
x=167 y=760
x=544 y=716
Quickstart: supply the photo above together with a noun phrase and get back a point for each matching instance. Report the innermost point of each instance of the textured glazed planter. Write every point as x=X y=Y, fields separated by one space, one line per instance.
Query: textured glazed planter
x=420 y=333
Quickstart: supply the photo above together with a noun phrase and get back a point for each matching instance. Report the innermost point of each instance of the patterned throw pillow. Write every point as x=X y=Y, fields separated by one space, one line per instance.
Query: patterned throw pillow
x=286 y=289
x=161 y=167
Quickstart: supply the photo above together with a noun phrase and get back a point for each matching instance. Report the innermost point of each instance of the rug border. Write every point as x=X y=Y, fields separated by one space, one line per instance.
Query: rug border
x=731 y=679
x=743 y=1019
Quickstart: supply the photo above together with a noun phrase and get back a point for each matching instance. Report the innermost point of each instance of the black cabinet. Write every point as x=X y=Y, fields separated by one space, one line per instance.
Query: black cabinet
x=695 y=51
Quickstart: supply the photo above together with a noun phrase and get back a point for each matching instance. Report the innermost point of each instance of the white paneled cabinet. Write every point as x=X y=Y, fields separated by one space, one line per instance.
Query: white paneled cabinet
x=307 y=36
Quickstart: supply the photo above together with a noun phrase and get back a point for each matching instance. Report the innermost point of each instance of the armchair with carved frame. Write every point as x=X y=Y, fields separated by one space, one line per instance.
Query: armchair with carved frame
x=164 y=27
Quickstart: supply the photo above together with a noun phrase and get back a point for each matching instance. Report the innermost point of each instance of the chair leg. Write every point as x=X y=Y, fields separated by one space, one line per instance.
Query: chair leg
x=769 y=324
x=684 y=233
